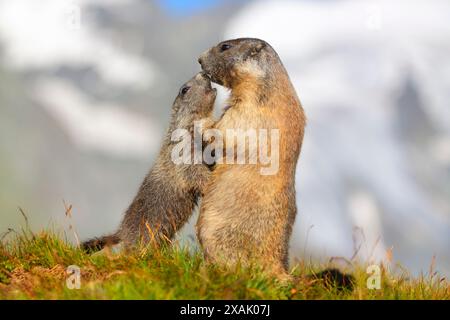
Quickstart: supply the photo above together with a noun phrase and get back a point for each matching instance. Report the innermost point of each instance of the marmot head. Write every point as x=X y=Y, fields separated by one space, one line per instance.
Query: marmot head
x=196 y=97
x=233 y=61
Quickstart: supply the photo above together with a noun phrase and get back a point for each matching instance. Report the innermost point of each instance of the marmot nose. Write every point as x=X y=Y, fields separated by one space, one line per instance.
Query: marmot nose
x=200 y=60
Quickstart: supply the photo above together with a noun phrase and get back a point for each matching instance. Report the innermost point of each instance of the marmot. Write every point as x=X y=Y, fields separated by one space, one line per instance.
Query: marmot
x=170 y=191
x=246 y=216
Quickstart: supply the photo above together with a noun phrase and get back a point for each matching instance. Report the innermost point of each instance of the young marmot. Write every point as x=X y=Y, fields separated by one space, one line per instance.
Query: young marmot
x=170 y=191
x=247 y=214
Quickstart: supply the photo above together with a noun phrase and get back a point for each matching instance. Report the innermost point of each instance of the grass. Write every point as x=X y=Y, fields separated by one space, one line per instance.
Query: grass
x=33 y=266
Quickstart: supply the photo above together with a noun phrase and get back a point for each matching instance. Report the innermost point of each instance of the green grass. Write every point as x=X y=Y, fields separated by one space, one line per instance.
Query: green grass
x=33 y=266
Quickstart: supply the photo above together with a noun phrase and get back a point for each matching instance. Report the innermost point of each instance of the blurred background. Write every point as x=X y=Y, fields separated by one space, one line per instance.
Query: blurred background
x=86 y=88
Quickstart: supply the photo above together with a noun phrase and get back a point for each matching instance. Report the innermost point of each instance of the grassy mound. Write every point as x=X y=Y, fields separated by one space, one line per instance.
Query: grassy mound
x=34 y=266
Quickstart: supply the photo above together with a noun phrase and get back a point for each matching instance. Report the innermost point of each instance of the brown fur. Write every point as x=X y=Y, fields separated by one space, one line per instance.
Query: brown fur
x=170 y=191
x=246 y=216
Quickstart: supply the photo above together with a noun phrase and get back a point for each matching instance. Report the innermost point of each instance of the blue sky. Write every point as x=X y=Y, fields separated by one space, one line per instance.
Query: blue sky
x=186 y=7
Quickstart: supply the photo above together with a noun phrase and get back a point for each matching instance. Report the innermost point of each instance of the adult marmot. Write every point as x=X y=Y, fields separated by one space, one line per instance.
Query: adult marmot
x=247 y=214
x=170 y=191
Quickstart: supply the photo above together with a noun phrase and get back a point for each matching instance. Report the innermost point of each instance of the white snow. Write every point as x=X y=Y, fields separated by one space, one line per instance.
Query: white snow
x=50 y=33
x=99 y=127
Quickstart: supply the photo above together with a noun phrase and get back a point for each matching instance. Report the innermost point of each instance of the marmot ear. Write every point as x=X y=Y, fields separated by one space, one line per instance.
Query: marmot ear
x=257 y=49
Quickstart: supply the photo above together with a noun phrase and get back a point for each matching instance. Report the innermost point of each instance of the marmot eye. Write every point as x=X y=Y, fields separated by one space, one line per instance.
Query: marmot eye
x=184 y=90
x=224 y=47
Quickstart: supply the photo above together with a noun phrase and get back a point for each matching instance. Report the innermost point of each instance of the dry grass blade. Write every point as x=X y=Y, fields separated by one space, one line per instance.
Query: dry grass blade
x=68 y=213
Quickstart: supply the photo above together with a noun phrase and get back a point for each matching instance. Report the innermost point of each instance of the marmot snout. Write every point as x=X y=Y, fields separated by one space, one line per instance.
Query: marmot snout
x=229 y=62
